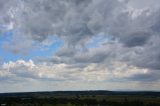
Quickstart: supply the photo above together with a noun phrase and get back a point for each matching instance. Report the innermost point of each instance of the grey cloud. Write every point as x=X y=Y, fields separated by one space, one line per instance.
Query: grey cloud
x=61 y=18
x=156 y=26
x=154 y=4
x=137 y=39
x=145 y=77
x=77 y=21
x=148 y=55
x=93 y=56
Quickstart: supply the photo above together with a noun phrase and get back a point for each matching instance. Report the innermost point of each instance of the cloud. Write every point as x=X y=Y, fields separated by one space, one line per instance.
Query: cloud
x=72 y=21
x=96 y=36
x=66 y=72
x=57 y=72
x=109 y=76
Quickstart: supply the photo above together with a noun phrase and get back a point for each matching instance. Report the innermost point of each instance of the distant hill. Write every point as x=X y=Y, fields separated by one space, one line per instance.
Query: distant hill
x=86 y=93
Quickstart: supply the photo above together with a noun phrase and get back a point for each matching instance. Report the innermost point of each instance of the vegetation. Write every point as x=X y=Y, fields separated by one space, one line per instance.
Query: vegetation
x=88 y=98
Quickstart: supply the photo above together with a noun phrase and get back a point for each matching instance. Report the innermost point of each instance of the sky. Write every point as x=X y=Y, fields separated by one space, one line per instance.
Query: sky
x=57 y=45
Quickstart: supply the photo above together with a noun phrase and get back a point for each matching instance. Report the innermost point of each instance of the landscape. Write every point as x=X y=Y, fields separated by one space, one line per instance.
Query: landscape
x=79 y=52
x=81 y=98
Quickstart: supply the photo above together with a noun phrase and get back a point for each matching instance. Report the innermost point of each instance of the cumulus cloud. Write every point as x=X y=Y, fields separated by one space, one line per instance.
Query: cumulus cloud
x=66 y=72
x=63 y=75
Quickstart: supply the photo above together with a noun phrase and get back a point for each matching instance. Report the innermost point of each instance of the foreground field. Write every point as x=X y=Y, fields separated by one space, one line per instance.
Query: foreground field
x=88 y=98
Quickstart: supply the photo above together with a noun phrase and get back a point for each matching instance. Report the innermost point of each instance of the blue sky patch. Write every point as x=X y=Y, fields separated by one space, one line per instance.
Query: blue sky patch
x=99 y=40
x=41 y=51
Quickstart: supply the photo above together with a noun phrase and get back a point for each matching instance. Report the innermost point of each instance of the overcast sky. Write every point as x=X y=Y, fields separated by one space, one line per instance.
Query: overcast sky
x=48 y=45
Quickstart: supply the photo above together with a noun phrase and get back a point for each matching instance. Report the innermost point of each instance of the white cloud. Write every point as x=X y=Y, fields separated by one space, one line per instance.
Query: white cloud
x=28 y=72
